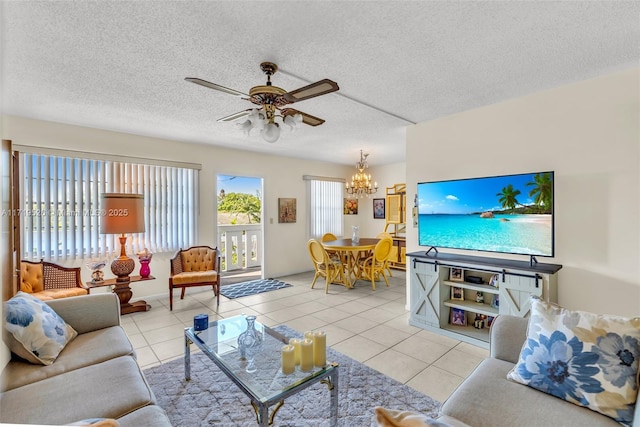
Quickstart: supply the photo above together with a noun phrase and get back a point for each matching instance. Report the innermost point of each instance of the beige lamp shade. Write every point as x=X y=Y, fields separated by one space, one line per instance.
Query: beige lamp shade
x=122 y=213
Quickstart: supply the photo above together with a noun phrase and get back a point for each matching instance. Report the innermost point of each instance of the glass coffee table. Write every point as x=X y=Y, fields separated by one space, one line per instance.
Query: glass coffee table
x=267 y=386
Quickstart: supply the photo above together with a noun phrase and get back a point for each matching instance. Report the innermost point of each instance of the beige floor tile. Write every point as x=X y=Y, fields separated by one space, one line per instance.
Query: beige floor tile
x=138 y=341
x=336 y=334
x=306 y=323
x=402 y=324
x=229 y=305
x=378 y=315
x=458 y=363
x=268 y=307
x=168 y=349
x=359 y=348
x=130 y=328
x=167 y=333
x=353 y=307
x=436 y=383
x=188 y=315
x=395 y=307
x=238 y=311
x=157 y=322
x=311 y=307
x=385 y=335
x=396 y=365
x=473 y=350
x=146 y=357
x=437 y=338
x=356 y=324
x=285 y=314
x=331 y=315
x=422 y=349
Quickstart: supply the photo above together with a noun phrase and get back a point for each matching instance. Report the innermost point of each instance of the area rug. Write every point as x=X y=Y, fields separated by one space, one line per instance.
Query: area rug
x=211 y=399
x=252 y=287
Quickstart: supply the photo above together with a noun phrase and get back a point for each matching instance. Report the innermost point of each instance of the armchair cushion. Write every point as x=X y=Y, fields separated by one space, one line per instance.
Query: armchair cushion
x=198 y=259
x=195 y=277
x=37 y=333
x=586 y=359
x=31 y=277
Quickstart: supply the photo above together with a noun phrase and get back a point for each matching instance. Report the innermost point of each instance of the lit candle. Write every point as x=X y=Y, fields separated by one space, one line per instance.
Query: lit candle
x=295 y=342
x=319 y=348
x=306 y=355
x=309 y=335
x=288 y=359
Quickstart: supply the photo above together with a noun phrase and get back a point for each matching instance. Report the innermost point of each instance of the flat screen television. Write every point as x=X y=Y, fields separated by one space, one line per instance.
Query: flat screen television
x=506 y=214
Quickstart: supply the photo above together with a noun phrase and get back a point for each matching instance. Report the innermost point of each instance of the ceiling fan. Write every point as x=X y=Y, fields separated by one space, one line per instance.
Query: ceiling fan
x=272 y=103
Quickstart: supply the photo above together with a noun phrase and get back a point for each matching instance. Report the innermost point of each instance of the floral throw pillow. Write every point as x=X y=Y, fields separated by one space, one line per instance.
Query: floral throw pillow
x=587 y=359
x=38 y=334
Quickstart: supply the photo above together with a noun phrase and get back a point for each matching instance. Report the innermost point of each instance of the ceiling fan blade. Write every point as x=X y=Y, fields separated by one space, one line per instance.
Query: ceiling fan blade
x=235 y=116
x=307 y=119
x=216 y=87
x=314 y=89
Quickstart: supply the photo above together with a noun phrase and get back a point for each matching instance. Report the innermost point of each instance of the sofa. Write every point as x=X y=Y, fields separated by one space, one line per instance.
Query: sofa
x=94 y=376
x=488 y=398
x=47 y=281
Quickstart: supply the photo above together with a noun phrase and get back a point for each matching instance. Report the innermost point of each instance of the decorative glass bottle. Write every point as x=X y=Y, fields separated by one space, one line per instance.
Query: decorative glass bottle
x=354 y=234
x=250 y=343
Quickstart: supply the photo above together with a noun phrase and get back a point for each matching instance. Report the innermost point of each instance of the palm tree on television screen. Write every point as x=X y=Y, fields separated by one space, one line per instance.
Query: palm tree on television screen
x=542 y=191
x=508 y=197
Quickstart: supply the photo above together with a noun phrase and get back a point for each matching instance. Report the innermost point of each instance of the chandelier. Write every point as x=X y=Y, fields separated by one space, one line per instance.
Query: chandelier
x=268 y=122
x=361 y=182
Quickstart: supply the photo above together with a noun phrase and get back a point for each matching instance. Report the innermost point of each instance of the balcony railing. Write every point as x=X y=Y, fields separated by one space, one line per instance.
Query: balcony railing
x=239 y=246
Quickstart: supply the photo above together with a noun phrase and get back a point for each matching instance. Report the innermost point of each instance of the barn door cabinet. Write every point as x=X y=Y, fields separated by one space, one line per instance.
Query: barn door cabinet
x=459 y=295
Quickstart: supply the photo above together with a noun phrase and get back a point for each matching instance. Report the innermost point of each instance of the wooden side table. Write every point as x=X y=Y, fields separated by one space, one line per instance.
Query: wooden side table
x=124 y=292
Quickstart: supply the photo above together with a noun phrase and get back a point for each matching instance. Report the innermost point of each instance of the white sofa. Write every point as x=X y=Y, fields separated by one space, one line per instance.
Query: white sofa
x=95 y=376
x=488 y=399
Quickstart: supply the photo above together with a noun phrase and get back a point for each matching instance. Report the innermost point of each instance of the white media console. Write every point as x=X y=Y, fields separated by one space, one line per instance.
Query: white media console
x=458 y=295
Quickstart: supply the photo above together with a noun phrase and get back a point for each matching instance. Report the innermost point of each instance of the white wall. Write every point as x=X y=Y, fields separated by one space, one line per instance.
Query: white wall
x=589 y=134
x=285 y=244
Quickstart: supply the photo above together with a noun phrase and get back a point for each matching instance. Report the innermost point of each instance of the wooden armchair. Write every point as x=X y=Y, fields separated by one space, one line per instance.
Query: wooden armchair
x=195 y=266
x=46 y=280
x=374 y=266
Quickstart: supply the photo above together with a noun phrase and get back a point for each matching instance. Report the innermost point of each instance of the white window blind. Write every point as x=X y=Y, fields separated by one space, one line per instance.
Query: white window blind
x=325 y=207
x=61 y=211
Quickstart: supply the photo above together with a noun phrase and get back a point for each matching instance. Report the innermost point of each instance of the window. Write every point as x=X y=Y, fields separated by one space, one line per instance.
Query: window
x=60 y=213
x=325 y=206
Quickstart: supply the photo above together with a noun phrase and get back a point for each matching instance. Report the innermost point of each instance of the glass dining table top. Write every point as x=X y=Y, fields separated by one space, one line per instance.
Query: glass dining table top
x=220 y=343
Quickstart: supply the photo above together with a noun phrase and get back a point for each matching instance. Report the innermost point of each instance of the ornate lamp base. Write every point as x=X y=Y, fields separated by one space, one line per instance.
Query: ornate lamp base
x=122 y=268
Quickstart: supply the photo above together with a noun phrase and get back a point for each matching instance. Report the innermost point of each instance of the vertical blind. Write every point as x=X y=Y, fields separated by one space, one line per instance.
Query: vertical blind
x=325 y=207
x=61 y=213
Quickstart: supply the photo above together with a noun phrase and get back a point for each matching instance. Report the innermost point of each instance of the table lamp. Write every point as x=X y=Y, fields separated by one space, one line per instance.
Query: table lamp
x=122 y=213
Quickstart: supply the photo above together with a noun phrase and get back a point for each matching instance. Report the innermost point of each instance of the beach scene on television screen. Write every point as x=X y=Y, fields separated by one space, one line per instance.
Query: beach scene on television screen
x=511 y=214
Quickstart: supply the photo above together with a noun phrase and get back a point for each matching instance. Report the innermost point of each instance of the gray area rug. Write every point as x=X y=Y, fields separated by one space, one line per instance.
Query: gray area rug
x=211 y=399
x=252 y=287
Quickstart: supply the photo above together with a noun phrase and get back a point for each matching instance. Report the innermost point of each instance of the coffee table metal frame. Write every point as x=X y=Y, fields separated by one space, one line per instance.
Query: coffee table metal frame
x=327 y=375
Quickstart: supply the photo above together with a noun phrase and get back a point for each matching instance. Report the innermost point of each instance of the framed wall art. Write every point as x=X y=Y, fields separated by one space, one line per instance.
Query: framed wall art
x=378 y=208
x=351 y=206
x=287 y=211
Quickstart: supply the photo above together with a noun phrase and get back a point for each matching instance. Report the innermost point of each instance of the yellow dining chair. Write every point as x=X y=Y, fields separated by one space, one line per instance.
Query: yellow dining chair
x=330 y=269
x=373 y=267
x=330 y=237
x=386 y=262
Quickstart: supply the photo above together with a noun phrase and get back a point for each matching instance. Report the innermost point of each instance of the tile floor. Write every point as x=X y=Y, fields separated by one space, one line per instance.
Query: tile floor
x=369 y=326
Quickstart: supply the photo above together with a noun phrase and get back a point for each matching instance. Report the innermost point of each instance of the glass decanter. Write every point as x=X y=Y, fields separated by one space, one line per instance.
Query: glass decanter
x=250 y=343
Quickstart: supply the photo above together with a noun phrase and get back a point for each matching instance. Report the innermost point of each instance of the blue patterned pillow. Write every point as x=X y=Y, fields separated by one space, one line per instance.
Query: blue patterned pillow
x=38 y=333
x=587 y=359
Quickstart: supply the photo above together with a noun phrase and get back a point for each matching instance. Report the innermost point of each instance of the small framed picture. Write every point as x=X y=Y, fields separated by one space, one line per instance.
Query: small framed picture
x=495 y=280
x=456 y=274
x=378 y=208
x=458 y=317
x=287 y=210
x=490 y=321
x=351 y=206
x=495 y=301
x=457 y=293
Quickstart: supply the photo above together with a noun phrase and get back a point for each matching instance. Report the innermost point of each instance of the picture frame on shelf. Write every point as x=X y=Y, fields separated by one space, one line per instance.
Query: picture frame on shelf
x=458 y=317
x=456 y=274
x=287 y=212
x=495 y=280
x=378 y=208
x=495 y=301
x=457 y=294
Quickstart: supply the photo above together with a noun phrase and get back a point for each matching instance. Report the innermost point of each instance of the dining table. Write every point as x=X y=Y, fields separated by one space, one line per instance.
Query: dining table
x=350 y=252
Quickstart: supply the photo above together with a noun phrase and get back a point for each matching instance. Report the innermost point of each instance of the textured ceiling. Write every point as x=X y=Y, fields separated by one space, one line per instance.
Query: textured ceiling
x=120 y=65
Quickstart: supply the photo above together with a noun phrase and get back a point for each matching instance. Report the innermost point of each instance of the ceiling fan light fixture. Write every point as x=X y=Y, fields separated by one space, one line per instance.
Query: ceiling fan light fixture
x=271 y=132
x=293 y=121
x=245 y=126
